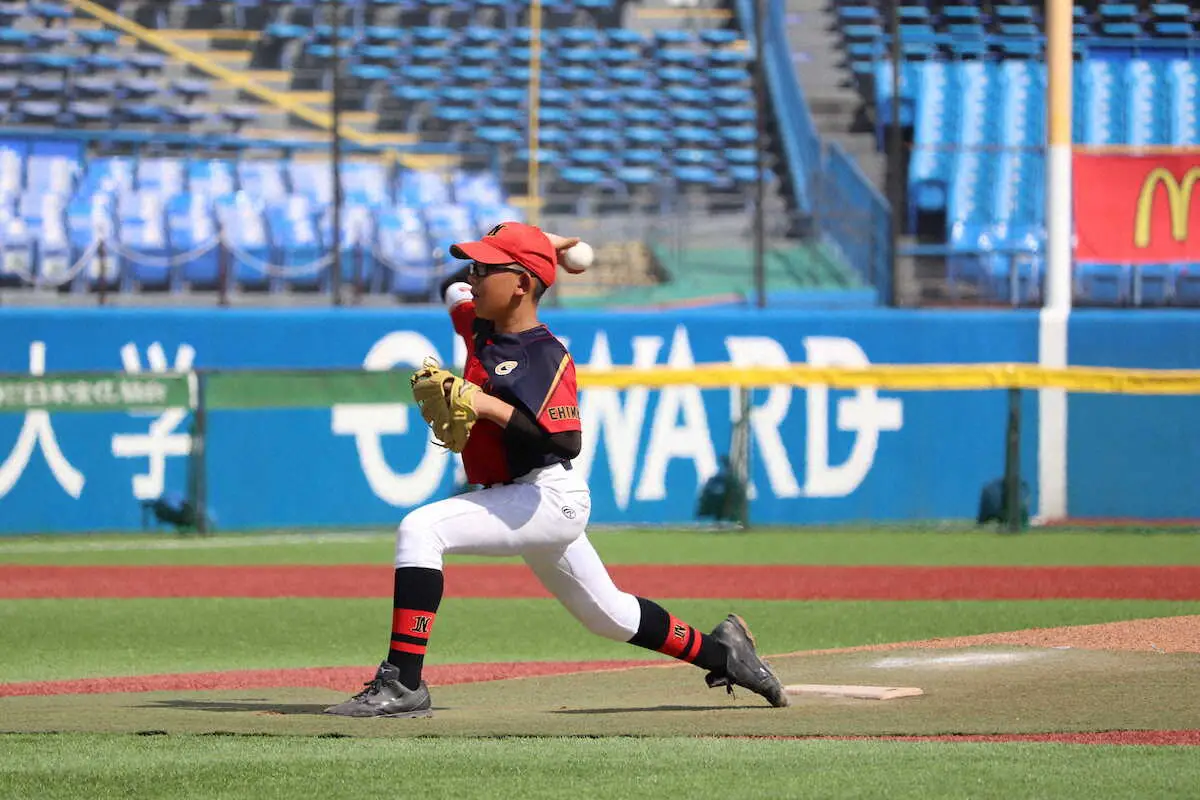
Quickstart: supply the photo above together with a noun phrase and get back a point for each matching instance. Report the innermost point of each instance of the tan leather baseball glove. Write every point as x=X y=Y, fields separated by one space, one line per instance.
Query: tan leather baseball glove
x=446 y=402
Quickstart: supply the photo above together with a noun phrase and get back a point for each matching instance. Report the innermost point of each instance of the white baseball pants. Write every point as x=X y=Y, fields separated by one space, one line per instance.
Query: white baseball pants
x=543 y=518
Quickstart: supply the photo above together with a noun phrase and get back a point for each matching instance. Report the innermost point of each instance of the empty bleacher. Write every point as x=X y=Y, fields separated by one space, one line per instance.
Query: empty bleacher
x=58 y=70
x=636 y=120
x=972 y=92
x=629 y=116
x=163 y=224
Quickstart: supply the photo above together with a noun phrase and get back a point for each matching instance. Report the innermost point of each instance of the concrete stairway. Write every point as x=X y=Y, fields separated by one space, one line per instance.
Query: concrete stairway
x=838 y=108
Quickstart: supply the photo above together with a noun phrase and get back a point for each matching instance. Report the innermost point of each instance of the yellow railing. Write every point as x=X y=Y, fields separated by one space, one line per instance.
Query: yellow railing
x=240 y=81
x=905 y=377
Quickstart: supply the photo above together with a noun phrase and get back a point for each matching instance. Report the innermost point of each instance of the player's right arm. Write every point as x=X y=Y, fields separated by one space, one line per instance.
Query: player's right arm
x=456 y=293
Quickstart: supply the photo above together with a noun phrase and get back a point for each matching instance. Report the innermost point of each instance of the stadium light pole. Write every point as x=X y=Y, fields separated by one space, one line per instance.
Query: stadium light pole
x=760 y=185
x=335 y=152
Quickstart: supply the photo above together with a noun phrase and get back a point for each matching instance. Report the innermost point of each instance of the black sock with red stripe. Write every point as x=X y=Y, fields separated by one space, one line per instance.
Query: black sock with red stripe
x=660 y=631
x=415 y=600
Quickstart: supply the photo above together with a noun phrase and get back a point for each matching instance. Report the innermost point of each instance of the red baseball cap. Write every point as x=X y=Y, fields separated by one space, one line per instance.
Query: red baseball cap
x=513 y=243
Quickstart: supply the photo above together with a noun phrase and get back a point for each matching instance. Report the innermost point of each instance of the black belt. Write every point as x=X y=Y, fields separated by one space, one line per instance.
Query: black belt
x=564 y=464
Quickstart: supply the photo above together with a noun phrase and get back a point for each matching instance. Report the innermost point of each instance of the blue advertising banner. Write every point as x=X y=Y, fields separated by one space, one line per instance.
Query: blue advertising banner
x=819 y=455
x=1128 y=456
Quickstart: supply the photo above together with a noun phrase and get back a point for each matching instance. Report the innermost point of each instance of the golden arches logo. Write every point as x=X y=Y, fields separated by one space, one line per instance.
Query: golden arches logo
x=1179 y=204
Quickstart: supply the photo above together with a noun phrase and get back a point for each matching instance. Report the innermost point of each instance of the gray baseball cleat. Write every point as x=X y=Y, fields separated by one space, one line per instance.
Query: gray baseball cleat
x=385 y=696
x=743 y=667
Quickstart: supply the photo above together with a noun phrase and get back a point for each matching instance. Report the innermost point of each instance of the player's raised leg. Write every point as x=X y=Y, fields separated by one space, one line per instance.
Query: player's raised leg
x=579 y=579
x=500 y=521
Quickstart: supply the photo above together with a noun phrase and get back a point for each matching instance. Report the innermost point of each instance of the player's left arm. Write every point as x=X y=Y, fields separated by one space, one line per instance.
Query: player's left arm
x=522 y=430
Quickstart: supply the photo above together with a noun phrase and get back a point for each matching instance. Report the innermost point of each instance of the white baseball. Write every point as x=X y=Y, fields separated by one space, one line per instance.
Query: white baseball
x=579 y=257
x=457 y=293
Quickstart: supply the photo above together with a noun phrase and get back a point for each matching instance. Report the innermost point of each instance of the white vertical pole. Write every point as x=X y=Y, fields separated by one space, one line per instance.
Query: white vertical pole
x=1055 y=314
x=1059 y=37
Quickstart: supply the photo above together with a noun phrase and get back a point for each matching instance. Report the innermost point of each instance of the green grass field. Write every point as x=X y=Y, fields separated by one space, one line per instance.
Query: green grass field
x=613 y=734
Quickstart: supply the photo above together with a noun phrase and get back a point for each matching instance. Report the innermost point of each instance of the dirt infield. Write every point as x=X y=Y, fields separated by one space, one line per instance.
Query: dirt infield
x=1185 y=737
x=1158 y=635
x=694 y=582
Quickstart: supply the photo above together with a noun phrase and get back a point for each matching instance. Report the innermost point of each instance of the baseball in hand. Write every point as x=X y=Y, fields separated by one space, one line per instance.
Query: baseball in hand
x=578 y=258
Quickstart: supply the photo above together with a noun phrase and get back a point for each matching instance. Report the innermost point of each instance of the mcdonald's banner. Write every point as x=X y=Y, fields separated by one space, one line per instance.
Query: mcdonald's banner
x=1136 y=209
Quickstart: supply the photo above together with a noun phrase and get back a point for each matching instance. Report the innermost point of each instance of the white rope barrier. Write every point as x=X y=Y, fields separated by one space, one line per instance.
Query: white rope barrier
x=167 y=262
x=116 y=248
x=72 y=272
x=411 y=272
x=278 y=270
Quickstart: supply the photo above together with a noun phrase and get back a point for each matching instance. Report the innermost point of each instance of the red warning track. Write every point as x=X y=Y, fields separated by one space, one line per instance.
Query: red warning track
x=516 y=581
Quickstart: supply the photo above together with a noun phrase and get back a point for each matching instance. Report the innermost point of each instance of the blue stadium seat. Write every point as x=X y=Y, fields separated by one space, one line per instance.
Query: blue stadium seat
x=51 y=174
x=49 y=13
x=477 y=190
x=261 y=181
x=245 y=234
x=185 y=115
x=405 y=253
x=192 y=232
x=38 y=112
x=365 y=184
x=212 y=178
x=39 y=240
x=486 y=216
x=42 y=87
x=506 y=96
x=418 y=188
x=499 y=136
x=650 y=116
x=640 y=136
x=108 y=175
x=144 y=241
x=239 y=117
x=626 y=37
x=607 y=138
x=46 y=38
x=359 y=262
x=695 y=157
x=448 y=223
x=719 y=37
x=297 y=245
x=162 y=175
x=312 y=180
x=91 y=219
x=1154 y=284
x=191 y=90
x=1187 y=284
x=136 y=88
x=84 y=113
x=1103 y=284
x=642 y=156
x=147 y=63
x=695 y=175
x=93 y=88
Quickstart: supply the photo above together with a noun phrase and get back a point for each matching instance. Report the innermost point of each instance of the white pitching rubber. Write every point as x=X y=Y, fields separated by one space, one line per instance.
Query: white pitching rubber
x=856 y=692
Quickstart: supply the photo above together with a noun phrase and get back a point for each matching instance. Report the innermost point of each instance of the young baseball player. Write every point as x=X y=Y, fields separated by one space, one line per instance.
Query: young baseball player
x=514 y=416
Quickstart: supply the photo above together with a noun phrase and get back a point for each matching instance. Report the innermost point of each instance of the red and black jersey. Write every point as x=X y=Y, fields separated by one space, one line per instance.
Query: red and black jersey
x=530 y=371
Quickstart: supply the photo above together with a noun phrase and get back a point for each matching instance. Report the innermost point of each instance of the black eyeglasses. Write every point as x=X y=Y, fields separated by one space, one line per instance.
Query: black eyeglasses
x=477 y=270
